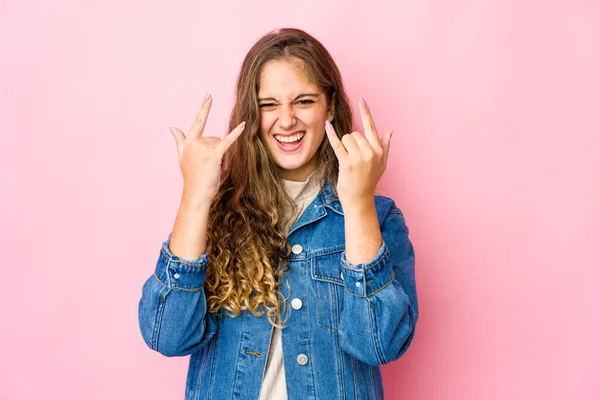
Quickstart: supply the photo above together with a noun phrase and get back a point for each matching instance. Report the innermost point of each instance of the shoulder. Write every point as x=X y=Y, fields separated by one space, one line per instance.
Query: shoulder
x=386 y=206
x=388 y=213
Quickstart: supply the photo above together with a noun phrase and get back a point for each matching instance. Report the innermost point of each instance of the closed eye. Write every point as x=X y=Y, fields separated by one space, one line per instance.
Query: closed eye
x=304 y=102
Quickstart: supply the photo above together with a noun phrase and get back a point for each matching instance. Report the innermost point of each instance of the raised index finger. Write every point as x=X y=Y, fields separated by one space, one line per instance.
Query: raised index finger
x=198 y=127
x=368 y=125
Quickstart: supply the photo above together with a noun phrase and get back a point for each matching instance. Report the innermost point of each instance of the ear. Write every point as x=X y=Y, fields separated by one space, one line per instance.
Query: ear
x=331 y=108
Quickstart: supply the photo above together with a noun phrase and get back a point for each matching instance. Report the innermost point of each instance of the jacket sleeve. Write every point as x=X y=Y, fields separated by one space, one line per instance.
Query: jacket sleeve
x=172 y=311
x=377 y=322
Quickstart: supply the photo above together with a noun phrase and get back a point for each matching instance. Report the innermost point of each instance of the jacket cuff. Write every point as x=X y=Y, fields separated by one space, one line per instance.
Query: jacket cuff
x=179 y=273
x=368 y=278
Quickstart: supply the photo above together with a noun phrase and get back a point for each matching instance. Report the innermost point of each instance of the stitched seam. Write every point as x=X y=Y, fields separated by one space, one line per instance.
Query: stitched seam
x=334 y=306
x=178 y=287
x=304 y=223
x=338 y=349
x=375 y=336
x=355 y=380
x=157 y=278
x=342 y=373
x=211 y=382
x=384 y=285
x=325 y=252
x=352 y=293
x=312 y=369
x=383 y=256
x=327 y=326
x=169 y=258
x=167 y=273
x=189 y=289
x=340 y=362
x=318 y=290
x=202 y=361
x=319 y=316
x=237 y=362
x=372 y=385
x=158 y=318
x=328 y=279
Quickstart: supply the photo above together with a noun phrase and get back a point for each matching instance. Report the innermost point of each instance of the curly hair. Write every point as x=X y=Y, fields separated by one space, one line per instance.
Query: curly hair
x=246 y=242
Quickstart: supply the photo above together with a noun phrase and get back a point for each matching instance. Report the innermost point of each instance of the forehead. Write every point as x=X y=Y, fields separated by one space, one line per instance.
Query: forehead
x=280 y=78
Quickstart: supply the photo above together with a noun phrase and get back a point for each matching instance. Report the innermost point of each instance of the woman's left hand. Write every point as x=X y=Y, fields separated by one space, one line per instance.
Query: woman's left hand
x=362 y=159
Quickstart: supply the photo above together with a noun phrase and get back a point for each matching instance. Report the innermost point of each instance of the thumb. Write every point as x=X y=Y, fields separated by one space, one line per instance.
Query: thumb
x=385 y=144
x=225 y=161
x=179 y=138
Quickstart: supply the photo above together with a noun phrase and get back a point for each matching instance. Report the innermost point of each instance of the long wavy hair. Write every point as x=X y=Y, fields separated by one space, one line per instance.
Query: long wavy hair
x=246 y=242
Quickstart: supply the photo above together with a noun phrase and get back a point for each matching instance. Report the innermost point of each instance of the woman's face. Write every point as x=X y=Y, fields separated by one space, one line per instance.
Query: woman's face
x=293 y=111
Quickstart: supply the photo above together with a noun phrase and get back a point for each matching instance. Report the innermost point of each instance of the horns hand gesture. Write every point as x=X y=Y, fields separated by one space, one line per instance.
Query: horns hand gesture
x=203 y=158
x=362 y=159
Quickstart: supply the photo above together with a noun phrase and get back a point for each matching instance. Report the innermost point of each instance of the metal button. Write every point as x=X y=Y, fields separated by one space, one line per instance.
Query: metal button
x=296 y=249
x=342 y=275
x=176 y=275
x=302 y=359
x=296 y=304
x=357 y=284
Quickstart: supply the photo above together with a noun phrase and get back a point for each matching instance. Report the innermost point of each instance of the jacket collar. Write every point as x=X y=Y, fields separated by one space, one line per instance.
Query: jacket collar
x=317 y=208
x=329 y=199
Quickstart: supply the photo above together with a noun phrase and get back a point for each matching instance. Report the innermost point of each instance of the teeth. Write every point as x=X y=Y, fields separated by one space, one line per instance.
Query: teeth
x=289 y=139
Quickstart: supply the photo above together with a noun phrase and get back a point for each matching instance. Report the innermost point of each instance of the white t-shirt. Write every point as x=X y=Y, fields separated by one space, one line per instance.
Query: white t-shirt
x=273 y=385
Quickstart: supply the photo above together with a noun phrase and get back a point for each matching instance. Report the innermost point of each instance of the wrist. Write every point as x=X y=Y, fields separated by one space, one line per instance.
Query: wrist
x=193 y=201
x=359 y=205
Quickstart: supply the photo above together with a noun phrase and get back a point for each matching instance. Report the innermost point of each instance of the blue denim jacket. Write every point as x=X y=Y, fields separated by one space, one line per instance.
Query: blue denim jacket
x=350 y=318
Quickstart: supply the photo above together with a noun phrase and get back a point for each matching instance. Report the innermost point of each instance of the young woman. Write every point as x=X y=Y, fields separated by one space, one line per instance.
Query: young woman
x=284 y=276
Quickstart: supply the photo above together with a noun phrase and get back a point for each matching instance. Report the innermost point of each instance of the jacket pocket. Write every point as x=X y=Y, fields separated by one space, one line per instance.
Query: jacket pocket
x=326 y=273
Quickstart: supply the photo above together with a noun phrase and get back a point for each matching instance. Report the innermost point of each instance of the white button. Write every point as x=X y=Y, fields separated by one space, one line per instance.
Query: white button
x=302 y=359
x=357 y=284
x=342 y=275
x=296 y=249
x=296 y=304
x=176 y=275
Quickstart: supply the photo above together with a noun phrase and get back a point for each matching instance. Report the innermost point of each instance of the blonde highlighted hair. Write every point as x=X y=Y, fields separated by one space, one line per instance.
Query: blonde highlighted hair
x=246 y=242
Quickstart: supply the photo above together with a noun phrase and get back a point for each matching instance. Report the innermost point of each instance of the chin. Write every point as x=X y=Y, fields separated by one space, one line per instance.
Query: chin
x=290 y=166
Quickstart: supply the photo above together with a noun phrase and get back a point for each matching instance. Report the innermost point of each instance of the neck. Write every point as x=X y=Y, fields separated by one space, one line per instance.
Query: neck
x=302 y=173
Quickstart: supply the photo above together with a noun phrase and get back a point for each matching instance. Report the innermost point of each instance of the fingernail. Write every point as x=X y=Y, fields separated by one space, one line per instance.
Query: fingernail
x=362 y=102
x=327 y=124
x=207 y=97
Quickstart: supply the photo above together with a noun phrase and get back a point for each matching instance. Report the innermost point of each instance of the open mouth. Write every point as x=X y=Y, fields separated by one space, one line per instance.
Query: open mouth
x=291 y=142
x=290 y=139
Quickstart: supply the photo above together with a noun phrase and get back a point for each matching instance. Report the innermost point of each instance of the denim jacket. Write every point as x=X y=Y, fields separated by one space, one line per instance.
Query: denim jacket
x=346 y=320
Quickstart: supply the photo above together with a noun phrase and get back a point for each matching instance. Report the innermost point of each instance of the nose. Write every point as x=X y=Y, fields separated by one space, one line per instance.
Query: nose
x=287 y=119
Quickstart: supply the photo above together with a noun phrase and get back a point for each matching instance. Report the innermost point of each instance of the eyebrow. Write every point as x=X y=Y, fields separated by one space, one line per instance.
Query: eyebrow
x=297 y=97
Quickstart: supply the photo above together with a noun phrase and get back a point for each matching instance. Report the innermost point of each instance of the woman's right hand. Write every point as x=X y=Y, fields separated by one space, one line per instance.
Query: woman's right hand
x=202 y=158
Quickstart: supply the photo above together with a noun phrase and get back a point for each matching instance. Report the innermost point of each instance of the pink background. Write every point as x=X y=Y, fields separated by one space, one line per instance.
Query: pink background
x=495 y=107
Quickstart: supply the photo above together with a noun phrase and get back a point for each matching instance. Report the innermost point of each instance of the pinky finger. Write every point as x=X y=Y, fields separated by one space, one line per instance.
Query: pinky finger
x=335 y=142
x=232 y=137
